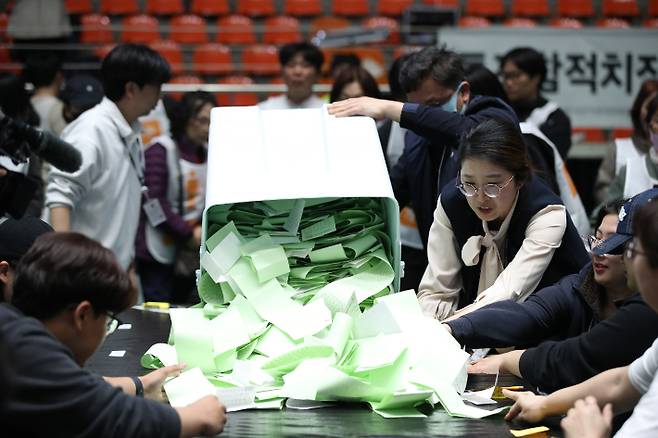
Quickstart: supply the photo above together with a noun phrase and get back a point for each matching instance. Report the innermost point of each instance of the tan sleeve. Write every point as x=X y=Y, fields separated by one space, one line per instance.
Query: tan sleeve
x=606 y=174
x=439 y=288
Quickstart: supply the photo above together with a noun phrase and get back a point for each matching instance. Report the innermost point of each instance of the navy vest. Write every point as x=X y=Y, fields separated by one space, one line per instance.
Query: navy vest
x=533 y=197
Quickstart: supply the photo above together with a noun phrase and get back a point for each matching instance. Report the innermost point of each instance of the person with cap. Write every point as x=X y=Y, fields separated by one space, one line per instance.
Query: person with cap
x=79 y=93
x=16 y=237
x=590 y=405
x=612 y=343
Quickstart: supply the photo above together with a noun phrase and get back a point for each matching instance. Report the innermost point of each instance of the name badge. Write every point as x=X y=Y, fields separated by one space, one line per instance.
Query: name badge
x=154 y=212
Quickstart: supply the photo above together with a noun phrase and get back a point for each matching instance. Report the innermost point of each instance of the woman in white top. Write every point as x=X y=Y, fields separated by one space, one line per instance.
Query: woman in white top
x=498 y=232
x=620 y=389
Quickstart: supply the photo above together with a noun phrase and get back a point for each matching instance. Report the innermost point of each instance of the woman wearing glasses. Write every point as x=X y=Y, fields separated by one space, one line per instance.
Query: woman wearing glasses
x=498 y=232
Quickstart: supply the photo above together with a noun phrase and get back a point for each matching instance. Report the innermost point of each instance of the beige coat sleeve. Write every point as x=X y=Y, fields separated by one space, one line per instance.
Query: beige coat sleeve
x=439 y=288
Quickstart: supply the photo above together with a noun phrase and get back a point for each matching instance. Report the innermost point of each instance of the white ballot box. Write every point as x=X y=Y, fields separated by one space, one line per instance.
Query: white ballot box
x=268 y=155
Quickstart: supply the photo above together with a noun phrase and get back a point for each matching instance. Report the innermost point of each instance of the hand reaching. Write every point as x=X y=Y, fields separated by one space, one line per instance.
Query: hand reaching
x=153 y=381
x=366 y=106
x=488 y=365
x=586 y=420
x=527 y=407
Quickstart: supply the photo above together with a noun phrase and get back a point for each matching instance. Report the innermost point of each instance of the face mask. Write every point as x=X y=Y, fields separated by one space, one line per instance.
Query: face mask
x=451 y=105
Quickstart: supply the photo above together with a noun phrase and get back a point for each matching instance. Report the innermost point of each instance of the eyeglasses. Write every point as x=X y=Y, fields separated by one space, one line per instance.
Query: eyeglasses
x=631 y=251
x=112 y=323
x=490 y=190
x=592 y=242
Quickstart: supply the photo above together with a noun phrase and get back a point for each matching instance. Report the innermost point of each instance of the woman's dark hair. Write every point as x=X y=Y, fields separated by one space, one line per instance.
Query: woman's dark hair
x=499 y=142
x=15 y=100
x=41 y=69
x=528 y=60
x=648 y=87
x=606 y=209
x=132 y=63
x=309 y=52
x=397 y=93
x=645 y=228
x=348 y=75
x=64 y=269
x=484 y=82
x=442 y=65
x=181 y=112
x=652 y=107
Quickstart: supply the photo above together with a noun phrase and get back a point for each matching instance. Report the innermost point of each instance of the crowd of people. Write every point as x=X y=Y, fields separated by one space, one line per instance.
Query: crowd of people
x=494 y=246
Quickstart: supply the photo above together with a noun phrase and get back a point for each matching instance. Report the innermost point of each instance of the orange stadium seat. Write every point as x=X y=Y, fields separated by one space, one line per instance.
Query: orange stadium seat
x=184 y=80
x=575 y=8
x=95 y=29
x=119 y=7
x=302 y=8
x=102 y=51
x=281 y=30
x=622 y=132
x=390 y=24
x=613 y=23
x=327 y=24
x=470 y=21
x=140 y=29
x=442 y=3
x=652 y=8
x=566 y=23
x=188 y=29
x=651 y=23
x=164 y=7
x=620 y=8
x=235 y=29
x=350 y=8
x=210 y=7
x=237 y=99
x=261 y=59
x=530 y=8
x=520 y=22
x=590 y=135
x=78 y=6
x=485 y=8
x=404 y=50
x=256 y=8
x=4 y=21
x=212 y=59
x=393 y=8
x=171 y=51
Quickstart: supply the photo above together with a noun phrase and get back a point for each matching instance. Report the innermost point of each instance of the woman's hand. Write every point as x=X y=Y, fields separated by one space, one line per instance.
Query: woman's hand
x=527 y=407
x=153 y=381
x=488 y=365
x=586 y=420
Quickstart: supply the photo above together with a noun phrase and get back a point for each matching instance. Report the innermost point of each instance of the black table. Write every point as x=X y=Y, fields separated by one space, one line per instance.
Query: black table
x=344 y=420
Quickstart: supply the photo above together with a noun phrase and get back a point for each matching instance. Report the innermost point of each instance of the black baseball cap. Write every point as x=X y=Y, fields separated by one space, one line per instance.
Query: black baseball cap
x=82 y=91
x=18 y=235
x=615 y=243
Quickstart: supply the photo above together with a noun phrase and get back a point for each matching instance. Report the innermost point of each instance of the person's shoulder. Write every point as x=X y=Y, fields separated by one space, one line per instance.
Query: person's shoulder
x=274 y=102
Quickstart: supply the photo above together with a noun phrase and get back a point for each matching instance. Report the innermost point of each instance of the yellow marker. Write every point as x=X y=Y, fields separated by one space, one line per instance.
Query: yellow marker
x=156 y=305
x=498 y=391
x=534 y=432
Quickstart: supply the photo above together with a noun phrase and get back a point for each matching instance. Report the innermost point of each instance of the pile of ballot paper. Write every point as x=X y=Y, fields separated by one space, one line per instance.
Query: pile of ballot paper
x=297 y=304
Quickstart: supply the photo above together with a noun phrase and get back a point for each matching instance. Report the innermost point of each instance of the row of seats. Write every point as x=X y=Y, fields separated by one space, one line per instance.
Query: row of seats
x=310 y=8
x=240 y=29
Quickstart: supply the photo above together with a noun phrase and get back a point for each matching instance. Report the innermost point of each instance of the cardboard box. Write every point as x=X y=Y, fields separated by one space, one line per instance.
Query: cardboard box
x=259 y=155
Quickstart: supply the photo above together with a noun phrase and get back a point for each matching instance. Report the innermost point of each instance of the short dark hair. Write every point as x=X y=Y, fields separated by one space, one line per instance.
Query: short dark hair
x=42 y=69
x=132 y=63
x=397 y=93
x=652 y=107
x=442 y=65
x=645 y=228
x=347 y=75
x=499 y=142
x=309 y=52
x=648 y=87
x=528 y=60
x=181 y=112
x=610 y=208
x=64 y=269
x=484 y=82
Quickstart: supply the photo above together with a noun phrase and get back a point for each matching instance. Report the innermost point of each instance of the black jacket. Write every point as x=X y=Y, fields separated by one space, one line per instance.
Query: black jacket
x=557 y=126
x=50 y=395
x=560 y=311
x=428 y=162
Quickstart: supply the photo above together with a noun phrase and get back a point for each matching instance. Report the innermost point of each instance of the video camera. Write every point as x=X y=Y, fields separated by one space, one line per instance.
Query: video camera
x=18 y=140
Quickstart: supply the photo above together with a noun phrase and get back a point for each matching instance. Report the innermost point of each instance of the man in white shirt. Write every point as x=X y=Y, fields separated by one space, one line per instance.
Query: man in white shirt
x=102 y=199
x=301 y=64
